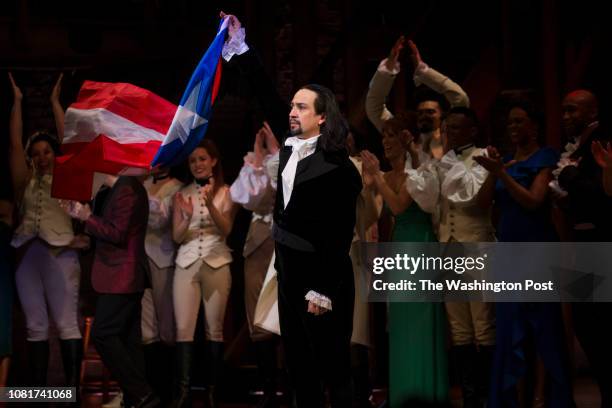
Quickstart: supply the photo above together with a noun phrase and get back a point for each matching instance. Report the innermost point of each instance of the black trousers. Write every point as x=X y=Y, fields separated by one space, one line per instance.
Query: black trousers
x=117 y=337
x=317 y=348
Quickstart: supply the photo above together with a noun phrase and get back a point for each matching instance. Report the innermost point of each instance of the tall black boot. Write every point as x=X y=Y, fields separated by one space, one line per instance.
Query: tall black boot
x=153 y=366
x=466 y=363
x=72 y=355
x=267 y=367
x=38 y=355
x=485 y=364
x=215 y=353
x=360 y=367
x=167 y=374
x=182 y=375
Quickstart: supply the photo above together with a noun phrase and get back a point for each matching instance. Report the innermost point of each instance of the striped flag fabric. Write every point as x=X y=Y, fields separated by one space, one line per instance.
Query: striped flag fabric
x=112 y=128
x=193 y=114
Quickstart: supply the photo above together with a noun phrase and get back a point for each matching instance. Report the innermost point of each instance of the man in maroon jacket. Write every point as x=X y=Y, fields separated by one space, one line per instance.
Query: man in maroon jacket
x=118 y=275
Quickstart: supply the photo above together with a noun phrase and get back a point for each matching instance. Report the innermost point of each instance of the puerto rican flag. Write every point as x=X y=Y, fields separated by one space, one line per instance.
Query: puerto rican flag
x=193 y=114
x=112 y=128
x=119 y=128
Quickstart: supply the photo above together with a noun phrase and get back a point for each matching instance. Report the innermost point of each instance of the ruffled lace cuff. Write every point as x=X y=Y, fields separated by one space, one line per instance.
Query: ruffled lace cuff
x=319 y=300
x=235 y=45
x=382 y=67
x=250 y=187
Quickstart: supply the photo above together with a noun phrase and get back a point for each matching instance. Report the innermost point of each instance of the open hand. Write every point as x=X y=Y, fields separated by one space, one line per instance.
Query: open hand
x=185 y=205
x=234 y=24
x=270 y=139
x=208 y=192
x=17 y=95
x=416 y=55
x=395 y=52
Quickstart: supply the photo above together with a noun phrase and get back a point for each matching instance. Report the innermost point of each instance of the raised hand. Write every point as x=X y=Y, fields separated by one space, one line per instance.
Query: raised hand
x=185 y=205
x=492 y=161
x=234 y=24
x=17 y=95
x=415 y=55
x=259 y=150
x=395 y=52
x=271 y=141
x=603 y=156
x=371 y=165
x=57 y=89
x=208 y=192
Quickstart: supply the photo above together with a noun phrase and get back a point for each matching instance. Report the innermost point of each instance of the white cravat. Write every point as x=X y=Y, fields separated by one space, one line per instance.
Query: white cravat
x=301 y=148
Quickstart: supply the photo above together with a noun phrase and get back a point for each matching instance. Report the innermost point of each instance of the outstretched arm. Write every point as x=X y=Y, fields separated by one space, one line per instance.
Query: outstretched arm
x=56 y=106
x=423 y=74
x=17 y=159
x=274 y=107
x=380 y=86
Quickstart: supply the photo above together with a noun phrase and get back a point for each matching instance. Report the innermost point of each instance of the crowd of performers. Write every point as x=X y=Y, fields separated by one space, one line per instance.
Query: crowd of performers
x=160 y=250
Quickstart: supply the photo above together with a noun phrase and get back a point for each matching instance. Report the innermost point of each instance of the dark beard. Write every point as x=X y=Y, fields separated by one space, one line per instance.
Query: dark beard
x=295 y=132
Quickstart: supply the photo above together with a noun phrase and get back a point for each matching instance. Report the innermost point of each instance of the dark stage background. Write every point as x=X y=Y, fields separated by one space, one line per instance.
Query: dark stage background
x=495 y=49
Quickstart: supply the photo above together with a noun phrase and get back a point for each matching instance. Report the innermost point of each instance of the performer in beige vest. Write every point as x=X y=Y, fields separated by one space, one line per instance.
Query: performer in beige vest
x=454 y=183
x=48 y=275
x=255 y=190
x=430 y=106
x=202 y=219
x=158 y=328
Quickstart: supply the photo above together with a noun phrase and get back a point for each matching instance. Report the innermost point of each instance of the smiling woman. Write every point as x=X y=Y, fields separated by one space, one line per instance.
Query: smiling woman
x=202 y=219
x=48 y=276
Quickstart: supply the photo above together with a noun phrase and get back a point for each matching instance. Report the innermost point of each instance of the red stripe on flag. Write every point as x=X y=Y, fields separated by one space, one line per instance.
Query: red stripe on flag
x=73 y=172
x=131 y=102
x=216 y=82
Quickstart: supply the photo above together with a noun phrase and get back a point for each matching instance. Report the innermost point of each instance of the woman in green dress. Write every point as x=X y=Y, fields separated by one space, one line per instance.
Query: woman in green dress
x=417 y=339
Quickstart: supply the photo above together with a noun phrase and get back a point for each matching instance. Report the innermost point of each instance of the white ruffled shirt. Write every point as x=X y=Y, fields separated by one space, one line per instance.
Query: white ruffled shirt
x=450 y=177
x=301 y=148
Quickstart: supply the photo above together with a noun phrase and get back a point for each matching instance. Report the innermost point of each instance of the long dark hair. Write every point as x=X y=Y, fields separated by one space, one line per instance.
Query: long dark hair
x=335 y=128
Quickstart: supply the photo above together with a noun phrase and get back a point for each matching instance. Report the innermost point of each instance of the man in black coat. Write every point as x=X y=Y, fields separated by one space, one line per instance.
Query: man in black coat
x=314 y=219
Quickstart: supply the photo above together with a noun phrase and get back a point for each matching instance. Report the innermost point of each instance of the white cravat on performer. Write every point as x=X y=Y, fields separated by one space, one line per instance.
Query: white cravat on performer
x=301 y=148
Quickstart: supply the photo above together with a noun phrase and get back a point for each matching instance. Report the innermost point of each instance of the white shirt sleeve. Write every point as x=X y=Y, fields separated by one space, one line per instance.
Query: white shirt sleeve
x=380 y=86
x=423 y=185
x=442 y=84
x=249 y=188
